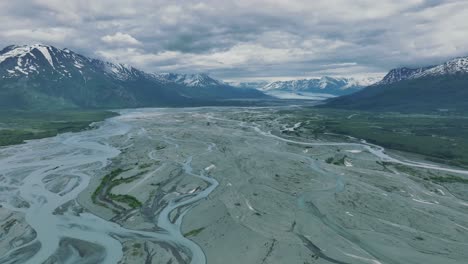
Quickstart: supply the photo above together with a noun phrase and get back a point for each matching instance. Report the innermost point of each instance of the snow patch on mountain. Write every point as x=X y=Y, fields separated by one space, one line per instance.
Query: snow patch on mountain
x=455 y=66
x=334 y=84
x=190 y=80
x=248 y=85
x=45 y=52
x=27 y=60
x=119 y=71
x=451 y=67
x=14 y=52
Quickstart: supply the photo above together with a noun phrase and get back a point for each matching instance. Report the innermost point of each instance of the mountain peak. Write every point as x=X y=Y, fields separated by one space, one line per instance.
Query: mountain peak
x=22 y=49
x=38 y=59
x=454 y=66
x=191 y=80
x=451 y=67
x=22 y=59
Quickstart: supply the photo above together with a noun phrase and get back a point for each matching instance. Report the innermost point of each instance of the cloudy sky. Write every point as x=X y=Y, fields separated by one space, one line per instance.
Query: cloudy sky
x=247 y=39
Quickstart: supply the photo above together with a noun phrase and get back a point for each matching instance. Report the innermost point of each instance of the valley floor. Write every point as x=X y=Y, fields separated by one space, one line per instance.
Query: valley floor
x=225 y=185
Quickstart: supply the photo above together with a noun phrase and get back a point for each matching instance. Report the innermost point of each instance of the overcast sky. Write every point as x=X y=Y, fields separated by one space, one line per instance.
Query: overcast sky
x=246 y=39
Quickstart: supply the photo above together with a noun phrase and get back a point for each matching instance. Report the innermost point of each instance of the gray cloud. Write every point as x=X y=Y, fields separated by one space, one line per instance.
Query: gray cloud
x=247 y=39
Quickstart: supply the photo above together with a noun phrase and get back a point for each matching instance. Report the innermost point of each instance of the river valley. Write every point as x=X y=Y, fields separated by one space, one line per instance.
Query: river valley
x=224 y=185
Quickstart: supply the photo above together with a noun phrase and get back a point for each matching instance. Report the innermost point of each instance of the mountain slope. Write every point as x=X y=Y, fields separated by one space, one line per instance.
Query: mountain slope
x=452 y=67
x=431 y=88
x=40 y=76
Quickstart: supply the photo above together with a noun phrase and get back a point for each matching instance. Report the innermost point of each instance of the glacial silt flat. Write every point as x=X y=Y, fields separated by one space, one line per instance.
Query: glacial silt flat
x=224 y=185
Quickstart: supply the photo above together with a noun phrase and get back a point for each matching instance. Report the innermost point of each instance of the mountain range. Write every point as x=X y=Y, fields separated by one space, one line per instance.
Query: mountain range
x=315 y=88
x=441 y=87
x=44 y=77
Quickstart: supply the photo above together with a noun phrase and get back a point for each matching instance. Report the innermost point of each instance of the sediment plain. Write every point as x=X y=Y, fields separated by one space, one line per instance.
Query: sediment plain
x=224 y=185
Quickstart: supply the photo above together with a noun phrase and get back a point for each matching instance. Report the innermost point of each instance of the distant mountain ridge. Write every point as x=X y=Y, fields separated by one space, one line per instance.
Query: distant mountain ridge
x=190 y=80
x=313 y=88
x=451 y=67
x=432 y=88
x=42 y=76
x=249 y=84
x=332 y=85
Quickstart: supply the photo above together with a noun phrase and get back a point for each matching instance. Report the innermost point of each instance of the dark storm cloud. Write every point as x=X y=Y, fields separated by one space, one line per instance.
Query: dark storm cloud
x=246 y=39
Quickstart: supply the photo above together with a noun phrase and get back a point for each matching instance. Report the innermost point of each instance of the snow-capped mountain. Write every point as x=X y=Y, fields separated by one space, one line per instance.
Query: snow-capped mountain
x=41 y=75
x=451 y=67
x=190 y=80
x=316 y=88
x=423 y=89
x=332 y=85
x=30 y=60
x=249 y=85
x=399 y=74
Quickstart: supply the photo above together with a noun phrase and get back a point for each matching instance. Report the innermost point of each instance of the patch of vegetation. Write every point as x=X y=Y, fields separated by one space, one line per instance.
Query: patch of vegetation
x=442 y=138
x=159 y=147
x=144 y=166
x=125 y=198
x=108 y=182
x=104 y=182
x=194 y=232
x=449 y=179
x=137 y=245
x=408 y=170
x=18 y=126
x=136 y=249
x=336 y=161
x=340 y=161
x=10 y=223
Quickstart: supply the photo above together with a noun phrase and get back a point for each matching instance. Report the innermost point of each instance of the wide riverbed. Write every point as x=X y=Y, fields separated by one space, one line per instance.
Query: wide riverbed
x=222 y=185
